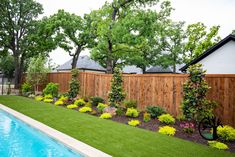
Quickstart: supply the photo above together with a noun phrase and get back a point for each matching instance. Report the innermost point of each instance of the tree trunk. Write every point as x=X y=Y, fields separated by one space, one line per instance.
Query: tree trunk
x=109 y=62
x=17 y=72
x=143 y=69
x=75 y=57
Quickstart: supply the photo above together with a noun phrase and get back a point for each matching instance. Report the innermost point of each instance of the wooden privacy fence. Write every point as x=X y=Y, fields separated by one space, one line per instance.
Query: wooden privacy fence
x=165 y=90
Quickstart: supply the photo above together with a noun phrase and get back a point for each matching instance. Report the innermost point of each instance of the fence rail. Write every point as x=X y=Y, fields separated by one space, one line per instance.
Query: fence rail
x=165 y=90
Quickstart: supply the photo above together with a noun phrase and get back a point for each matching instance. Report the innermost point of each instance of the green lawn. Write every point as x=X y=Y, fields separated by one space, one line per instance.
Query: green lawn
x=111 y=137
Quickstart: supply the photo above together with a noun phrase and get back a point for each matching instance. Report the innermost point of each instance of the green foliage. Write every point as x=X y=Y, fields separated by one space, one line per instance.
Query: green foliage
x=52 y=89
x=147 y=117
x=195 y=106
x=199 y=39
x=74 y=85
x=155 y=111
x=79 y=102
x=88 y=104
x=85 y=109
x=26 y=89
x=166 y=119
x=116 y=95
x=39 y=98
x=130 y=103
x=48 y=96
x=72 y=106
x=120 y=111
x=47 y=100
x=106 y=116
x=7 y=66
x=59 y=102
x=167 y=130
x=96 y=100
x=101 y=107
x=226 y=133
x=134 y=123
x=37 y=72
x=217 y=145
x=132 y=112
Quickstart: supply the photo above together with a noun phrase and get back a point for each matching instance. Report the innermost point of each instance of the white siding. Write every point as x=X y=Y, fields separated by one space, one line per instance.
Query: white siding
x=221 y=61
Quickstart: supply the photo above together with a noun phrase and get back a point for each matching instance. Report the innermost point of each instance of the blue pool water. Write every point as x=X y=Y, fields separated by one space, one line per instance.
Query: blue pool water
x=17 y=139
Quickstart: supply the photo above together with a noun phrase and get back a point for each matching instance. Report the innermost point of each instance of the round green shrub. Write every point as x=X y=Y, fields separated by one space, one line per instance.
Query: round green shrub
x=217 y=145
x=72 y=106
x=155 y=111
x=106 y=116
x=85 y=109
x=167 y=130
x=166 y=118
x=132 y=112
x=133 y=122
x=226 y=133
x=52 y=89
x=101 y=106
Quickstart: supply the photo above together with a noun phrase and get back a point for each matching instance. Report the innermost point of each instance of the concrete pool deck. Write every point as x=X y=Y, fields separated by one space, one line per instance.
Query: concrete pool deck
x=68 y=141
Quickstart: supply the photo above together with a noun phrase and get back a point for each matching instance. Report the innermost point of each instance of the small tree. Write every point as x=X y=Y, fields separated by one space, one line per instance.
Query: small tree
x=7 y=66
x=195 y=106
x=116 y=95
x=37 y=72
x=74 y=85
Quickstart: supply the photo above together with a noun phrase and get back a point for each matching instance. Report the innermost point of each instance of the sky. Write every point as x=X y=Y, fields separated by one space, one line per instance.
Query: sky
x=210 y=12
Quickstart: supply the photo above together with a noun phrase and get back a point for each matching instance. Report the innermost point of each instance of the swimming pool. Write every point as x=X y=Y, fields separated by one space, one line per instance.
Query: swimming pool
x=18 y=139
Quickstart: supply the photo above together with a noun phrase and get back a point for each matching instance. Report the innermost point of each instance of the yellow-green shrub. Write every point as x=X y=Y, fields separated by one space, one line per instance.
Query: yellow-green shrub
x=167 y=130
x=133 y=122
x=39 y=98
x=63 y=98
x=59 y=102
x=88 y=104
x=106 y=116
x=48 y=96
x=101 y=106
x=166 y=118
x=131 y=112
x=80 y=102
x=72 y=106
x=147 y=117
x=226 y=132
x=217 y=145
x=85 y=109
x=48 y=100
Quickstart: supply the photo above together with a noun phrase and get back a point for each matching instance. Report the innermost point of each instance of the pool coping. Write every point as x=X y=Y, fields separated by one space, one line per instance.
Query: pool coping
x=68 y=141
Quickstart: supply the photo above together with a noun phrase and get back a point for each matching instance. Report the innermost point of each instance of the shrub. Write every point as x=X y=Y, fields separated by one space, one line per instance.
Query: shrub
x=147 y=117
x=188 y=127
x=217 y=145
x=155 y=111
x=101 y=106
x=130 y=103
x=85 y=109
x=52 y=89
x=106 y=116
x=72 y=106
x=26 y=89
x=59 y=102
x=166 y=118
x=133 y=122
x=96 y=100
x=131 y=112
x=48 y=100
x=80 y=102
x=195 y=106
x=74 y=85
x=119 y=111
x=226 y=133
x=63 y=98
x=167 y=130
x=48 y=96
x=116 y=95
x=88 y=104
x=39 y=98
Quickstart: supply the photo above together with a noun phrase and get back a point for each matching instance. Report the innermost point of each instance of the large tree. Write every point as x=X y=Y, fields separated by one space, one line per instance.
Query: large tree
x=106 y=21
x=199 y=39
x=17 y=20
x=173 y=41
x=74 y=33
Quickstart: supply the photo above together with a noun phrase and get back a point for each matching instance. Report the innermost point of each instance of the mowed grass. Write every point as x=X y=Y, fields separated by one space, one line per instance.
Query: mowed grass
x=116 y=139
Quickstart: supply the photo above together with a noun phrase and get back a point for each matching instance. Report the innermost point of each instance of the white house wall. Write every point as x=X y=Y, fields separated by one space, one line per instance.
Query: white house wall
x=221 y=61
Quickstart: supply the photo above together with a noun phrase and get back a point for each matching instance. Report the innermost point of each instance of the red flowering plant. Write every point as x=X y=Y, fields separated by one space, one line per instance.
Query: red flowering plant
x=188 y=127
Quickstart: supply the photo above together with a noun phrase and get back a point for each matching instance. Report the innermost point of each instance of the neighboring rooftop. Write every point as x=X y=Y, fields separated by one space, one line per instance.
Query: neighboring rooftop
x=159 y=69
x=84 y=62
x=209 y=51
